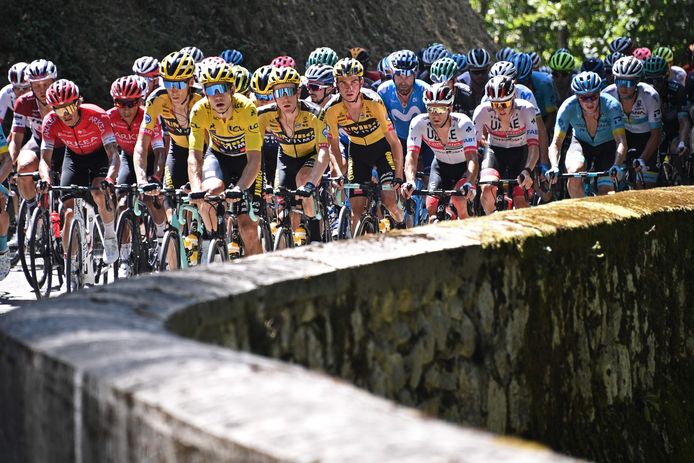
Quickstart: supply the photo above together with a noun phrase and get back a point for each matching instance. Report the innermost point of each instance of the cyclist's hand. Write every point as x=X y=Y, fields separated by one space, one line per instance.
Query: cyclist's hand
x=43 y=185
x=469 y=190
x=639 y=164
x=681 y=147
x=397 y=183
x=154 y=179
x=306 y=191
x=151 y=189
x=338 y=182
x=199 y=197
x=552 y=174
x=107 y=183
x=525 y=180
x=406 y=189
x=238 y=192
x=615 y=171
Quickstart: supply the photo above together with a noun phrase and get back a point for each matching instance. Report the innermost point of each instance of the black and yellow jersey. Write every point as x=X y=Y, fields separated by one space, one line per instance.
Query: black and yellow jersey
x=234 y=136
x=373 y=121
x=159 y=105
x=310 y=132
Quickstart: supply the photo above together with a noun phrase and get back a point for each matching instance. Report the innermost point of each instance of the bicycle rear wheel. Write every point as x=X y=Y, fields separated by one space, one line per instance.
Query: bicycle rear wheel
x=74 y=266
x=366 y=225
x=284 y=238
x=170 y=253
x=40 y=253
x=128 y=246
x=344 y=223
x=217 y=251
x=96 y=253
x=23 y=222
x=265 y=235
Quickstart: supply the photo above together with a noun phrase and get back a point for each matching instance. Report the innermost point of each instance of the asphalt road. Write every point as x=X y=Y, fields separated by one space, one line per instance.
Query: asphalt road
x=16 y=292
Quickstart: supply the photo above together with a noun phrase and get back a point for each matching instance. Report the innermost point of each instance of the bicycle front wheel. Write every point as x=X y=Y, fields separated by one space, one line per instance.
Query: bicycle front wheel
x=23 y=223
x=284 y=238
x=40 y=253
x=265 y=235
x=344 y=223
x=74 y=266
x=367 y=225
x=170 y=253
x=128 y=246
x=217 y=251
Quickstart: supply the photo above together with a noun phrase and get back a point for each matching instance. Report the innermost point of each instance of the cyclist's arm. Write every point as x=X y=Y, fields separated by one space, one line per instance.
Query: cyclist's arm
x=543 y=138
x=5 y=158
x=250 y=172
x=159 y=162
x=45 y=163
x=195 y=169
x=414 y=145
x=532 y=134
x=113 y=160
x=140 y=157
x=555 y=147
x=16 y=143
x=321 y=164
x=684 y=129
x=396 y=149
x=652 y=143
x=621 y=153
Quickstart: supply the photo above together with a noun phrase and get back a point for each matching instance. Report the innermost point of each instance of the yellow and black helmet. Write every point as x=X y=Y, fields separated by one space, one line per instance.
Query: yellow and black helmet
x=348 y=67
x=260 y=81
x=242 y=78
x=284 y=75
x=217 y=73
x=177 y=66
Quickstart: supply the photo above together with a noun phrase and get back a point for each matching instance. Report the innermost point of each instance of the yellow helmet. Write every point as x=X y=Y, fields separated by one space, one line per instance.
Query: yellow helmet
x=177 y=66
x=284 y=75
x=242 y=78
x=260 y=81
x=217 y=72
x=347 y=67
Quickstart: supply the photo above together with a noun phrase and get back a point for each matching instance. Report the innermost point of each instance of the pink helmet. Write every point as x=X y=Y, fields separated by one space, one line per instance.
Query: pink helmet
x=642 y=53
x=284 y=62
x=127 y=88
x=62 y=92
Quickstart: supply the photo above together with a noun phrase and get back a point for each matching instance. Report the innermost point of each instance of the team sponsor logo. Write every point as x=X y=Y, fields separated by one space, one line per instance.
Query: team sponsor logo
x=300 y=137
x=229 y=145
x=148 y=118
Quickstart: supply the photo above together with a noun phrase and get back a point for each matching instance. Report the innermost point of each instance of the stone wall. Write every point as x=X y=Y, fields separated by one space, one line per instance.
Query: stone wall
x=570 y=324
x=567 y=324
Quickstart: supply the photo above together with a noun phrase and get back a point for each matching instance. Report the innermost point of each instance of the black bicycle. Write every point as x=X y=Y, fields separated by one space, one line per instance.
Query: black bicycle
x=136 y=233
x=444 y=202
x=369 y=222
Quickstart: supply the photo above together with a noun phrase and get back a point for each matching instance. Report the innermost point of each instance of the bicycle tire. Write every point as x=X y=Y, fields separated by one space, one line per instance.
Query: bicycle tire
x=74 y=267
x=344 y=223
x=284 y=236
x=127 y=222
x=23 y=222
x=366 y=225
x=170 y=244
x=265 y=235
x=40 y=253
x=217 y=251
x=96 y=253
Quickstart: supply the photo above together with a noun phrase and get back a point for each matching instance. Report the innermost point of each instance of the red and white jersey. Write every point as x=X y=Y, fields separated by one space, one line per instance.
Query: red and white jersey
x=460 y=147
x=92 y=132
x=28 y=116
x=520 y=130
x=126 y=135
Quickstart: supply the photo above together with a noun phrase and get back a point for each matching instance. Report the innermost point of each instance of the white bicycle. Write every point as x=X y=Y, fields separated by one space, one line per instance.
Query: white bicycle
x=84 y=265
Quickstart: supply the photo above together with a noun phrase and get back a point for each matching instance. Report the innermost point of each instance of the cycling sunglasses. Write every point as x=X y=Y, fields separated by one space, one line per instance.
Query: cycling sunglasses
x=126 y=103
x=501 y=104
x=403 y=72
x=626 y=83
x=65 y=111
x=216 y=89
x=439 y=110
x=591 y=97
x=315 y=87
x=261 y=97
x=177 y=84
x=285 y=91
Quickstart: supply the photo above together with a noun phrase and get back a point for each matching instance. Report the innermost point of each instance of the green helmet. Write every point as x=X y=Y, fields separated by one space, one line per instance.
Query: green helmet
x=562 y=61
x=443 y=70
x=655 y=66
x=665 y=53
x=322 y=55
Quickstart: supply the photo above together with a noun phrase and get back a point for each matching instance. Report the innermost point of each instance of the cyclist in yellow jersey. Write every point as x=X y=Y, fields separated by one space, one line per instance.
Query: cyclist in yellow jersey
x=5 y=169
x=373 y=143
x=230 y=124
x=172 y=103
x=302 y=137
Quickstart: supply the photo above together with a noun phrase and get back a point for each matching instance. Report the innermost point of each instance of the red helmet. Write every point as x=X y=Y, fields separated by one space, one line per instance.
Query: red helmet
x=62 y=92
x=642 y=53
x=284 y=62
x=127 y=88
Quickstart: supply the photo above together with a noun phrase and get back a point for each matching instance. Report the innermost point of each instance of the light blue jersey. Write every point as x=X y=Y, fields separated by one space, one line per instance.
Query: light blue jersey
x=610 y=123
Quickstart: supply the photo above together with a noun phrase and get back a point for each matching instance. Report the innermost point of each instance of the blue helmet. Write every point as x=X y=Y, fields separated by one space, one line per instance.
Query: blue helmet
x=404 y=62
x=384 y=66
x=586 y=82
x=478 y=58
x=595 y=65
x=535 y=59
x=524 y=66
x=434 y=52
x=232 y=56
x=321 y=74
x=460 y=60
x=505 y=54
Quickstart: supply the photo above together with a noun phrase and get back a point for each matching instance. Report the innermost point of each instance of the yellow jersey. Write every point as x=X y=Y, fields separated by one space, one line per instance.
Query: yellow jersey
x=310 y=132
x=159 y=105
x=373 y=121
x=233 y=136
